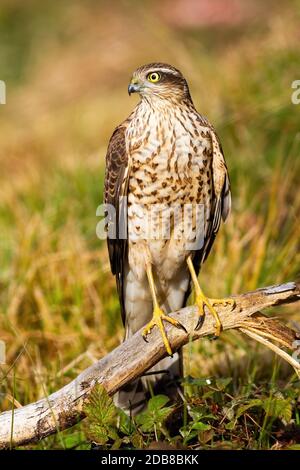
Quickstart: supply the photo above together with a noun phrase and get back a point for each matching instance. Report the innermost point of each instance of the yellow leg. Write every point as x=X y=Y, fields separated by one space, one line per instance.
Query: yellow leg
x=158 y=315
x=202 y=301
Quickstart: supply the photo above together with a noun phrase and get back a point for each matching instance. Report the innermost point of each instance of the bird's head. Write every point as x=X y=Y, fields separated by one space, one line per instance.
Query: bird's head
x=160 y=81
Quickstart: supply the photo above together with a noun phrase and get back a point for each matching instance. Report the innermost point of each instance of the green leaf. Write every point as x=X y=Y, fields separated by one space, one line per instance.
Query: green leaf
x=100 y=407
x=200 y=382
x=200 y=412
x=155 y=415
x=201 y=426
x=137 y=441
x=221 y=384
x=98 y=433
x=72 y=440
x=126 y=424
x=162 y=415
x=228 y=412
x=112 y=432
x=278 y=408
x=251 y=404
x=157 y=402
x=145 y=421
x=150 y=419
x=187 y=433
x=231 y=425
x=101 y=416
x=208 y=394
x=117 y=444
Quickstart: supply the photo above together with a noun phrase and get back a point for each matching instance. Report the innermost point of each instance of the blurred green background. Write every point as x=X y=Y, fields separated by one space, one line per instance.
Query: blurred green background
x=66 y=66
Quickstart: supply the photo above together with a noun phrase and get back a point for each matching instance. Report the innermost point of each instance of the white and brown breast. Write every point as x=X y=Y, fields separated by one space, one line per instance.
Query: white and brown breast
x=171 y=166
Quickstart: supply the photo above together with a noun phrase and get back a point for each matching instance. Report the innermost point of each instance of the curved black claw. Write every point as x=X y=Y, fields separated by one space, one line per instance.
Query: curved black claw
x=145 y=339
x=214 y=337
x=180 y=325
x=200 y=322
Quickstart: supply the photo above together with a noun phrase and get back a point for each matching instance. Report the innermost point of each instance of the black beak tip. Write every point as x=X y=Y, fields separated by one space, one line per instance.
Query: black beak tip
x=133 y=88
x=130 y=89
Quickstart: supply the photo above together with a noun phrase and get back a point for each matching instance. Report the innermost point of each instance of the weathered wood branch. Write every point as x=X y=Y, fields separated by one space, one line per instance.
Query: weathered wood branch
x=131 y=359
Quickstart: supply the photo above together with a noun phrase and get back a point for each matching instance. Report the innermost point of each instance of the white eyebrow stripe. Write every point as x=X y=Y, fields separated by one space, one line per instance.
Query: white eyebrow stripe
x=173 y=72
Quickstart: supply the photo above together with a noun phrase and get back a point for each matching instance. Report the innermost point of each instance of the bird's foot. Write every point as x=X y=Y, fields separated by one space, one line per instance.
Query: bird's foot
x=157 y=320
x=202 y=301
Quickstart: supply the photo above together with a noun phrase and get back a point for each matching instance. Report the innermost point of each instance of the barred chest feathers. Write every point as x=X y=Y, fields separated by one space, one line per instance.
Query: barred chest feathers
x=170 y=164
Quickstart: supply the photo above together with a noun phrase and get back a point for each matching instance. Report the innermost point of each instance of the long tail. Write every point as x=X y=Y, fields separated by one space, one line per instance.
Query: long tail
x=164 y=377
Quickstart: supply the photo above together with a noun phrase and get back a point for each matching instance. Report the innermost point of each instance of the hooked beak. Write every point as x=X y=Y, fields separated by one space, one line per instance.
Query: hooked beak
x=134 y=86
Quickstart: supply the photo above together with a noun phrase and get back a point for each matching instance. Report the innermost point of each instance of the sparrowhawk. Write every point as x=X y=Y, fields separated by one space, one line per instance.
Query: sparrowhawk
x=165 y=170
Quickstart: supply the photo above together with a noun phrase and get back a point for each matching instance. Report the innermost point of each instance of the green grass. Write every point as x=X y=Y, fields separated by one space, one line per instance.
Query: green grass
x=67 y=69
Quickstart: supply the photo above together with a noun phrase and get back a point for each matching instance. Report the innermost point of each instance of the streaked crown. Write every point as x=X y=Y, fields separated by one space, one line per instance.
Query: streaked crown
x=161 y=81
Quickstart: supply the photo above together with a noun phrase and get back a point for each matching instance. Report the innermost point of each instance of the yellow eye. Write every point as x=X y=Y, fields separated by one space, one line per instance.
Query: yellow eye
x=153 y=77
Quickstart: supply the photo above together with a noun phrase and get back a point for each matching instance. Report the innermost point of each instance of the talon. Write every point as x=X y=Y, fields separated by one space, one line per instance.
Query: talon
x=157 y=320
x=178 y=325
x=202 y=301
x=200 y=322
x=173 y=322
x=218 y=327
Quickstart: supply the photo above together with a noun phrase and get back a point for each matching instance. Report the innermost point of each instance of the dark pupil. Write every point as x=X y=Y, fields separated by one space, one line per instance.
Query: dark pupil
x=154 y=76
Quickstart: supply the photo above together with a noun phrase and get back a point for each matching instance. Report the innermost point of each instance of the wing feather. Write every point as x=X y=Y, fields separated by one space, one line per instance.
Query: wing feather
x=221 y=202
x=115 y=192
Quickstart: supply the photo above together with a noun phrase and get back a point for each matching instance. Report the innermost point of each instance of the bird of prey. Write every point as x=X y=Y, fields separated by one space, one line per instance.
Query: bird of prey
x=165 y=156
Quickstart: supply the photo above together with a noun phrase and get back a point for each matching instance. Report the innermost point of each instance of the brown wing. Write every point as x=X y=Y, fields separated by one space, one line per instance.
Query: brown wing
x=221 y=202
x=115 y=192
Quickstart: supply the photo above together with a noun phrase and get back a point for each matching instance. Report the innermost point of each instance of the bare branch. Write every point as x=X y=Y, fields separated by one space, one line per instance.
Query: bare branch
x=131 y=359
